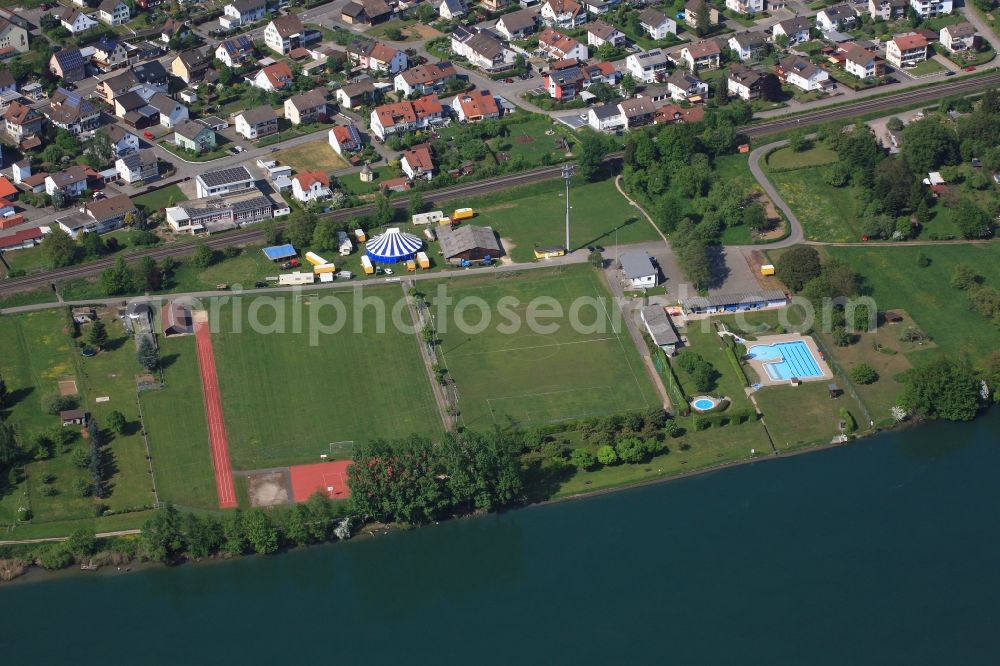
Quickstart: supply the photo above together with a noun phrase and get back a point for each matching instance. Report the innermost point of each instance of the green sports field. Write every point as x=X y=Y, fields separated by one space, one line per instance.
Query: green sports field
x=527 y=377
x=286 y=401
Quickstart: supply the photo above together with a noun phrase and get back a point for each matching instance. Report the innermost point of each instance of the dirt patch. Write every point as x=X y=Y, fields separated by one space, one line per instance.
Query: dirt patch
x=421 y=31
x=268 y=489
x=524 y=138
x=508 y=249
x=67 y=387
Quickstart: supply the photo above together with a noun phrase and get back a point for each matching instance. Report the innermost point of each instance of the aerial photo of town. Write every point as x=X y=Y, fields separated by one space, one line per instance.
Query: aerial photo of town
x=282 y=281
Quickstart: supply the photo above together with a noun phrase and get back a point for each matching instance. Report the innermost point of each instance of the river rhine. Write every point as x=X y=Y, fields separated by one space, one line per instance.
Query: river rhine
x=884 y=551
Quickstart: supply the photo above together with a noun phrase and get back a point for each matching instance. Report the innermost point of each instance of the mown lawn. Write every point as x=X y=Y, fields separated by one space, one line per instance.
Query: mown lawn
x=787 y=159
x=531 y=376
x=804 y=414
x=170 y=195
x=313 y=156
x=536 y=215
x=286 y=396
x=896 y=281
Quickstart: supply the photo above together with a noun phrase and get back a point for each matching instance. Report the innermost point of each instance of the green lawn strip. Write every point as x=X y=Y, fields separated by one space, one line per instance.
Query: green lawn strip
x=178 y=433
x=61 y=528
x=531 y=377
x=286 y=400
x=220 y=150
x=536 y=215
x=352 y=182
x=896 y=281
x=170 y=195
x=801 y=415
x=33 y=297
x=786 y=159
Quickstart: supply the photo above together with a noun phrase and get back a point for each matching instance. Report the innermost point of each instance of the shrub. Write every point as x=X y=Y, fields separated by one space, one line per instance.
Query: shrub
x=583 y=459
x=864 y=374
x=606 y=455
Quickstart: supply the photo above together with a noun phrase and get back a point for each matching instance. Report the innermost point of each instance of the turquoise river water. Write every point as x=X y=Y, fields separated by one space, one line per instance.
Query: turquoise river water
x=886 y=551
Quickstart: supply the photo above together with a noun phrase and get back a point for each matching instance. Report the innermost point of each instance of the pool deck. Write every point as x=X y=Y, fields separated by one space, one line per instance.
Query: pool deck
x=758 y=365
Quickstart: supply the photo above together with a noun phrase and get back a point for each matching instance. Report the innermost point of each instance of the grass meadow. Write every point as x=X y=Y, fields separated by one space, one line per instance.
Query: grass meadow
x=286 y=401
x=531 y=378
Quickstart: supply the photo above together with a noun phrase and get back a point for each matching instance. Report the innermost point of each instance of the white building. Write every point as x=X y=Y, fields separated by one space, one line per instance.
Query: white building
x=638 y=271
x=242 y=12
x=113 y=12
x=607 y=118
x=958 y=37
x=223 y=181
x=311 y=186
x=906 y=50
x=563 y=14
x=929 y=8
x=745 y=6
x=647 y=66
x=656 y=24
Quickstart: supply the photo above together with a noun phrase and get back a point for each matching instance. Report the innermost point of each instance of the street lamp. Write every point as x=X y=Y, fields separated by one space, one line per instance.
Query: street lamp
x=567 y=174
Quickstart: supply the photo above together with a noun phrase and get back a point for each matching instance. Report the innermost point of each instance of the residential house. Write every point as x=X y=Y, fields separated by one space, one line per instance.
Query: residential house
x=887 y=10
x=117 y=85
x=931 y=8
x=600 y=33
x=353 y=95
x=171 y=111
x=685 y=87
x=452 y=9
x=13 y=36
x=795 y=29
x=906 y=50
x=284 y=33
x=517 y=25
x=749 y=46
x=152 y=74
x=743 y=82
x=308 y=107
x=72 y=182
x=21 y=122
x=345 y=139
x=745 y=6
x=123 y=141
x=113 y=12
x=424 y=79
x=475 y=105
x=242 y=12
x=418 y=163
x=606 y=118
x=68 y=65
x=132 y=102
x=481 y=49
x=691 y=14
x=563 y=14
x=76 y=21
x=236 y=52
x=22 y=240
x=701 y=55
x=637 y=111
x=836 y=18
x=862 y=63
x=223 y=181
x=139 y=166
x=366 y=12
x=377 y=57
x=99 y=216
x=648 y=66
x=638 y=269
x=257 y=122
x=599 y=7
x=311 y=186
x=7 y=82
x=406 y=116
x=190 y=66
x=69 y=111
x=565 y=83
x=656 y=24
x=560 y=46
x=800 y=72
x=173 y=28
x=194 y=136
x=958 y=37
x=111 y=53
x=274 y=77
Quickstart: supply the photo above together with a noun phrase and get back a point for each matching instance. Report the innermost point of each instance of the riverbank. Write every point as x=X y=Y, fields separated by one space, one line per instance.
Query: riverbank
x=33 y=572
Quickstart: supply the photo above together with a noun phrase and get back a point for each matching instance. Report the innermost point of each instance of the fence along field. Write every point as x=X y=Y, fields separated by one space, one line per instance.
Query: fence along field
x=529 y=378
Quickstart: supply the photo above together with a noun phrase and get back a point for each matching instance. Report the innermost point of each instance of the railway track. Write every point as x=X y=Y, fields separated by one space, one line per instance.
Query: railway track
x=256 y=235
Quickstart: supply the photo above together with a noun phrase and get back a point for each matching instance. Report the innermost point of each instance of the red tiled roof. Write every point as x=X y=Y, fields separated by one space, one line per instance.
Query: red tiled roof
x=6 y=188
x=419 y=157
x=911 y=41
x=479 y=103
x=279 y=74
x=20 y=237
x=308 y=178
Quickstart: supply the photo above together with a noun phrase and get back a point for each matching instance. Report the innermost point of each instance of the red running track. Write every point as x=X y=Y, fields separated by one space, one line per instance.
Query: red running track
x=213 y=411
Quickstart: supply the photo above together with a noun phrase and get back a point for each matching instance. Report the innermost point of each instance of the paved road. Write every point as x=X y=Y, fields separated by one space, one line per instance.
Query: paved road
x=796 y=234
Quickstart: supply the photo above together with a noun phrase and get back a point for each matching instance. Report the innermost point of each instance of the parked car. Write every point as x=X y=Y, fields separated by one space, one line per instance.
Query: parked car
x=970 y=68
x=147 y=135
x=345 y=275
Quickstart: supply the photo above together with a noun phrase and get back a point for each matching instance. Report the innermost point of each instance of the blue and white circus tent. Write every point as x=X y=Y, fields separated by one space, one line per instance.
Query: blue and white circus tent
x=393 y=246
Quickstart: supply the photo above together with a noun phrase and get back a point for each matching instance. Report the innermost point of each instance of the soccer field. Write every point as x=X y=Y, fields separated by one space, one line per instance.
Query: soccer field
x=530 y=377
x=286 y=401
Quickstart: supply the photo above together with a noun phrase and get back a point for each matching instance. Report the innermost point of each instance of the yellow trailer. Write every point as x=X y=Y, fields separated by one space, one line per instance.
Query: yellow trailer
x=411 y=266
x=546 y=252
x=366 y=264
x=315 y=259
x=463 y=214
x=767 y=269
x=444 y=221
x=423 y=260
x=360 y=235
x=324 y=268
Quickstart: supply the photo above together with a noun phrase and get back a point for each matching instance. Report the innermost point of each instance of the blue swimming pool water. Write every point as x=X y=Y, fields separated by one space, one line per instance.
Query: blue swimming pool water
x=703 y=403
x=797 y=360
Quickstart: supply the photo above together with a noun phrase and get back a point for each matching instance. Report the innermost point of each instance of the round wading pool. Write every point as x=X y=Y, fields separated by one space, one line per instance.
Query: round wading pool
x=703 y=403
